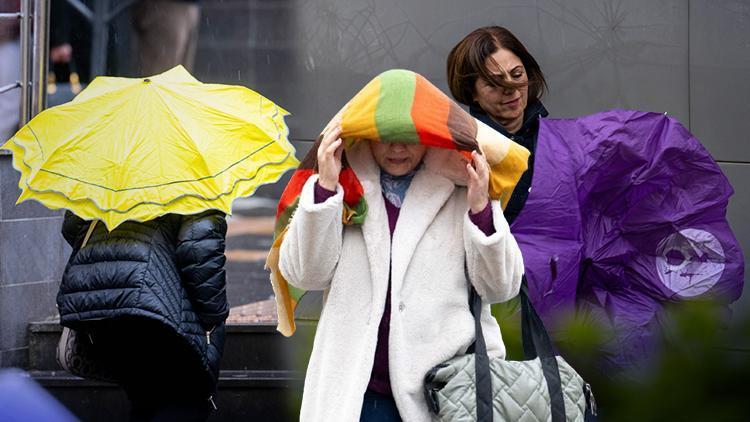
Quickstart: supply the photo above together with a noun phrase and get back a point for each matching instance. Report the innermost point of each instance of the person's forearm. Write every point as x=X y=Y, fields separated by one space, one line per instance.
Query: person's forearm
x=312 y=244
x=494 y=261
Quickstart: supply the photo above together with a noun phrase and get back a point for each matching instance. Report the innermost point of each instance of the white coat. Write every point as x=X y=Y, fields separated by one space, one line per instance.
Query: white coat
x=430 y=317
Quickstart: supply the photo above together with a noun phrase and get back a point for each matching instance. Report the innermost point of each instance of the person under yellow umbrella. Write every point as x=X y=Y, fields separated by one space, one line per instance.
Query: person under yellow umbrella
x=158 y=162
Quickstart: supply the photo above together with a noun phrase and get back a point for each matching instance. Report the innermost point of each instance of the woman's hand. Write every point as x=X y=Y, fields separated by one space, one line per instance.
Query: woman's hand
x=478 y=187
x=329 y=157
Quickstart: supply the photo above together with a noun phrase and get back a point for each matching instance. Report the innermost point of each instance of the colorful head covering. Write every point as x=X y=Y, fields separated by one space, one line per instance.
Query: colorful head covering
x=397 y=106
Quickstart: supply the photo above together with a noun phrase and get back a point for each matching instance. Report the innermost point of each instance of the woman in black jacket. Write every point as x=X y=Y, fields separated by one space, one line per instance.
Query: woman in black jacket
x=150 y=298
x=491 y=71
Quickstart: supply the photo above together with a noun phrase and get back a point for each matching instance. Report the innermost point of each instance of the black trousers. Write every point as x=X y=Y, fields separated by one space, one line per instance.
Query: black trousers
x=160 y=374
x=168 y=411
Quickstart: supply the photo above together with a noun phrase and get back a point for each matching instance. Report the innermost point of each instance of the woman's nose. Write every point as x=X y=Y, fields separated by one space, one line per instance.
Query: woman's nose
x=398 y=146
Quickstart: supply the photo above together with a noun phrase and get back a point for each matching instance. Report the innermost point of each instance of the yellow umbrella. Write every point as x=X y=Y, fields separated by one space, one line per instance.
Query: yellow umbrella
x=135 y=149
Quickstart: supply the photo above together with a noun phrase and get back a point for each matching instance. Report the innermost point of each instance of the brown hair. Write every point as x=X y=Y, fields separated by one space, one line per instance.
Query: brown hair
x=466 y=63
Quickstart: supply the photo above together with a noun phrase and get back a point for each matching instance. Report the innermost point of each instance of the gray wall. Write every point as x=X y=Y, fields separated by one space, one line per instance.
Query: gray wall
x=32 y=255
x=596 y=54
x=719 y=88
x=689 y=58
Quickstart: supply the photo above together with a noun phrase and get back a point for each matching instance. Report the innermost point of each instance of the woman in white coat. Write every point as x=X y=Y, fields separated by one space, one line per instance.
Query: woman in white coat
x=395 y=294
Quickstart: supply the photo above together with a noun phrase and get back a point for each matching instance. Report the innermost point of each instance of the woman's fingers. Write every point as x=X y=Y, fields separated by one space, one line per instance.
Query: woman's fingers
x=329 y=157
x=333 y=147
x=339 y=150
x=334 y=134
x=335 y=122
x=480 y=164
x=329 y=137
x=473 y=176
x=333 y=127
x=478 y=171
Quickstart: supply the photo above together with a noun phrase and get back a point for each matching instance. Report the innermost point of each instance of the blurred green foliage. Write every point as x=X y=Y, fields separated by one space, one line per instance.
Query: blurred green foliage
x=701 y=373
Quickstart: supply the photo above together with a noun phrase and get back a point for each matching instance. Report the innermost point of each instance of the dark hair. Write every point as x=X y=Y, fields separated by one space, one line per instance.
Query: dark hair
x=466 y=63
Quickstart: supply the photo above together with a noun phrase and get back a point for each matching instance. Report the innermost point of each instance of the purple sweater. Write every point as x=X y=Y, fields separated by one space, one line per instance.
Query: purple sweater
x=380 y=378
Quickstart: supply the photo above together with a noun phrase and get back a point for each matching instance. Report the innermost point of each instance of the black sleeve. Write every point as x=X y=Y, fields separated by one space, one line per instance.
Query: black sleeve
x=200 y=259
x=72 y=227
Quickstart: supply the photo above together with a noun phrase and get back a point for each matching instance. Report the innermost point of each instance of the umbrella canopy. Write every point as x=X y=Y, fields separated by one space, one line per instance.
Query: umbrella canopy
x=135 y=149
x=626 y=213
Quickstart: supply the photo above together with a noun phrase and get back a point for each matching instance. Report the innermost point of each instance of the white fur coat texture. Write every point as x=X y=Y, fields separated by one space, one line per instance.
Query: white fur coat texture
x=430 y=317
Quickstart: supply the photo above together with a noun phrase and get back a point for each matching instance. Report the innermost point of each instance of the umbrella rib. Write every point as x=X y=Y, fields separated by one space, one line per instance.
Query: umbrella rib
x=55 y=150
x=182 y=127
x=36 y=138
x=230 y=112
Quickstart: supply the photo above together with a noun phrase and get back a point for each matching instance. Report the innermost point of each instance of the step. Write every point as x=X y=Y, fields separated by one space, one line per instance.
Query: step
x=242 y=395
x=248 y=347
x=260 y=347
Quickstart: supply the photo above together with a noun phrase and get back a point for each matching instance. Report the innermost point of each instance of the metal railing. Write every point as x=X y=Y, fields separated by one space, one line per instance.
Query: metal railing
x=34 y=18
x=39 y=59
x=34 y=48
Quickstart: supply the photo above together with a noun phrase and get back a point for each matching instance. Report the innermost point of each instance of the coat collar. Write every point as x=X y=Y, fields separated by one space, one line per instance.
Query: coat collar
x=375 y=227
x=426 y=195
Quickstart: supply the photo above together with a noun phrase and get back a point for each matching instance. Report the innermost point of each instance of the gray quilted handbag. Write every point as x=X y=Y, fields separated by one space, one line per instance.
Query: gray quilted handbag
x=474 y=387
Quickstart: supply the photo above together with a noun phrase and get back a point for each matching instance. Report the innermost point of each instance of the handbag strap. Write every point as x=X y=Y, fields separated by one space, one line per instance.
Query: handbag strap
x=536 y=342
x=481 y=360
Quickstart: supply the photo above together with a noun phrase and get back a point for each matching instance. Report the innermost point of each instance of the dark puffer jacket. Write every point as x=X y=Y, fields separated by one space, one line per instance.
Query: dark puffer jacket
x=169 y=270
